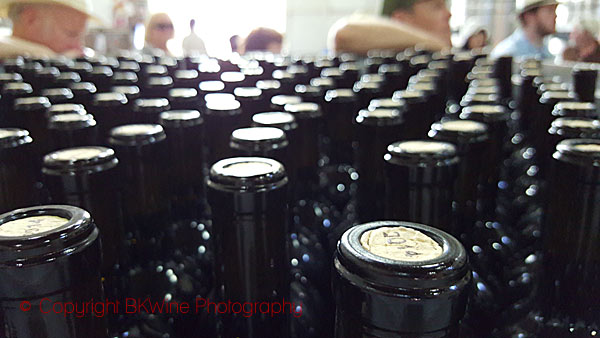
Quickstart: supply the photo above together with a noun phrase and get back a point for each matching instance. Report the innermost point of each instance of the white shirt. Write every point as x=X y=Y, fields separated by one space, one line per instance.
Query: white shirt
x=192 y=44
x=11 y=46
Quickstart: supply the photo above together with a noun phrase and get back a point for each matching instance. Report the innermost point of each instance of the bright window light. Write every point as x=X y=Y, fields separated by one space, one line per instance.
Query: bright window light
x=217 y=21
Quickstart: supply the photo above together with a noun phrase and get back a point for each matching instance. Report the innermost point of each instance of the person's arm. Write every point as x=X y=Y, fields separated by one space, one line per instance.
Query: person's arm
x=360 y=36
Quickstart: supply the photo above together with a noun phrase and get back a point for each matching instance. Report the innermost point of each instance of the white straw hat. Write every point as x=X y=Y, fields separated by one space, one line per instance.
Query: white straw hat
x=83 y=6
x=525 y=5
x=470 y=28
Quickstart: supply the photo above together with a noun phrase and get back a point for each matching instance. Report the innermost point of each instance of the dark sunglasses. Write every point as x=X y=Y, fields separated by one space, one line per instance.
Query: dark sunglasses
x=163 y=26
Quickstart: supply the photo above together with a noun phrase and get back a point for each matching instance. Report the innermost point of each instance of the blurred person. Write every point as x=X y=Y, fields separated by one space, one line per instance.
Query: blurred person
x=235 y=41
x=263 y=40
x=538 y=20
x=583 y=42
x=405 y=23
x=193 y=44
x=45 y=28
x=472 y=35
x=159 y=31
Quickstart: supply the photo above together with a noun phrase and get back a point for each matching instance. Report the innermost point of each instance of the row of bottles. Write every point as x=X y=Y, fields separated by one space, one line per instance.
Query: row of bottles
x=244 y=180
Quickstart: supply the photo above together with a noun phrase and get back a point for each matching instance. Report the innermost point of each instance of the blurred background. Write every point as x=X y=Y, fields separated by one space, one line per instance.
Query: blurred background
x=304 y=23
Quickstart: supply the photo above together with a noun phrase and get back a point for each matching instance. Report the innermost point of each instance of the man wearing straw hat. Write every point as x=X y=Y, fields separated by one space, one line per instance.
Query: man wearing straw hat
x=405 y=23
x=45 y=28
x=538 y=20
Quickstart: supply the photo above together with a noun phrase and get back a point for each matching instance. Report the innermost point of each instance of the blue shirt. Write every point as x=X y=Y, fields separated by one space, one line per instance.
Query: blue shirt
x=517 y=45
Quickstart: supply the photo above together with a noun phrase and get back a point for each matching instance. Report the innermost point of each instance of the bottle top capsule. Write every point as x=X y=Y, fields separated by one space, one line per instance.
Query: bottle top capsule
x=411 y=96
x=14 y=137
x=10 y=77
x=160 y=81
x=389 y=69
x=188 y=74
x=223 y=105
x=54 y=94
x=151 y=106
x=156 y=70
x=268 y=84
x=372 y=78
x=130 y=92
x=552 y=97
x=422 y=152
x=484 y=83
x=379 y=117
x=17 y=89
x=366 y=86
x=349 y=67
x=576 y=123
x=247 y=174
x=232 y=77
x=425 y=87
x=211 y=86
x=47 y=73
x=32 y=103
x=129 y=66
x=482 y=90
x=82 y=66
x=180 y=118
x=137 y=134
x=322 y=82
x=252 y=71
x=485 y=113
x=219 y=97
x=439 y=65
x=340 y=95
x=279 y=120
x=282 y=100
x=125 y=77
x=459 y=131
x=110 y=99
x=258 y=139
x=247 y=92
x=88 y=159
x=81 y=88
x=71 y=121
x=402 y=256
x=67 y=108
x=575 y=109
x=282 y=76
x=102 y=71
x=387 y=103
x=297 y=69
x=167 y=61
x=584 y=152
x=333 y=72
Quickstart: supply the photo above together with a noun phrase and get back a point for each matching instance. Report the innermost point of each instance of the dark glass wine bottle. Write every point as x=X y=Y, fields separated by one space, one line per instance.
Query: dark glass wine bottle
x=248 y=199
x=375 y=130
x=72 y=130
x=567 y=299
x=400 y=279
x=17 y=177
x=51 y=256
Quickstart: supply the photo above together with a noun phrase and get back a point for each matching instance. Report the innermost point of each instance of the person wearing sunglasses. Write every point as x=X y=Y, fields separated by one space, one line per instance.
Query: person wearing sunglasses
x=159 y=31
